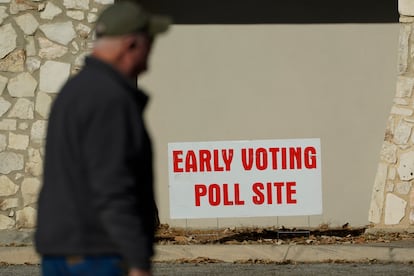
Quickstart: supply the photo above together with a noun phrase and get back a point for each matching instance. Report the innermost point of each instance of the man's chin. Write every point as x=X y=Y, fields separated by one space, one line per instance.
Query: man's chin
x=141 y=71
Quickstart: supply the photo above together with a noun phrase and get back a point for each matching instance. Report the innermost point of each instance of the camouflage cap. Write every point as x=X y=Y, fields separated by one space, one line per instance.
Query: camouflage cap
x=128 y=17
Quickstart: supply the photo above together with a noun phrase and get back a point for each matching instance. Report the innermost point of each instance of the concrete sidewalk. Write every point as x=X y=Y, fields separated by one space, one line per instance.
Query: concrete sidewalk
x=402 y=251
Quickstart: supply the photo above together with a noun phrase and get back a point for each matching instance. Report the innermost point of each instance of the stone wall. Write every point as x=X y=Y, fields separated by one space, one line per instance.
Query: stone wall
x=42 y=42
x=392 y=203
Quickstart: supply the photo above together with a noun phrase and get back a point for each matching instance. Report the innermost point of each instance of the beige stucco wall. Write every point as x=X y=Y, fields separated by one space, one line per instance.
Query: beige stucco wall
x=334 y=82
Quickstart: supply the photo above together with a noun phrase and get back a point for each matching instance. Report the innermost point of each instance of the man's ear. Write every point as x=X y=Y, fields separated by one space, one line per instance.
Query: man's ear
x=130 y=42
x=133 y=44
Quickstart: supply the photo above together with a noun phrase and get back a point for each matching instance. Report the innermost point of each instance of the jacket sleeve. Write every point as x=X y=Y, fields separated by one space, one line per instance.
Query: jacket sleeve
x=112 y=145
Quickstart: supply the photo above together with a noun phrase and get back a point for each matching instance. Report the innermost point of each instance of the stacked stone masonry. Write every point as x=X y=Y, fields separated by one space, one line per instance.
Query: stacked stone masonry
x=42 y=43
x=392 y=203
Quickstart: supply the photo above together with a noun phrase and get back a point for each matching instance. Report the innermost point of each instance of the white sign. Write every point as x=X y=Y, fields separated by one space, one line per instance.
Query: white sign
x=245 y=178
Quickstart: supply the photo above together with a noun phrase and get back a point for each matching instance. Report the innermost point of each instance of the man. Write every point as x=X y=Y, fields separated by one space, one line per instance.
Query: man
x=96 y=207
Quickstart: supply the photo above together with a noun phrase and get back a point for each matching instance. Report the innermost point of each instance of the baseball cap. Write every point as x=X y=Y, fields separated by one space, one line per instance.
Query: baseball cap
x=128 y=17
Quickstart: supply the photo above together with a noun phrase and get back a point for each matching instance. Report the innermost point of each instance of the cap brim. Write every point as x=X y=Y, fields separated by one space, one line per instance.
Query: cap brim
x=159 y=24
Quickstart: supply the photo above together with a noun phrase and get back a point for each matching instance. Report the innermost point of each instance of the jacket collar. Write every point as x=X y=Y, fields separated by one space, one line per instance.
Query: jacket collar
x=137 y=93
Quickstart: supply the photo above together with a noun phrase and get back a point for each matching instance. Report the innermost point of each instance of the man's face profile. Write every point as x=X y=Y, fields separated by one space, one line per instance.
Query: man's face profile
x=139 y=51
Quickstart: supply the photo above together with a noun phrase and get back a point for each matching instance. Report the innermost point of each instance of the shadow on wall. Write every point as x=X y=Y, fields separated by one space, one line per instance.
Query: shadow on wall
x=271 y=11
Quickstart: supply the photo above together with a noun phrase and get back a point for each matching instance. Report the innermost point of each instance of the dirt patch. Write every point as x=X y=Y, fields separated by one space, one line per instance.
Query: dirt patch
x=279 y=236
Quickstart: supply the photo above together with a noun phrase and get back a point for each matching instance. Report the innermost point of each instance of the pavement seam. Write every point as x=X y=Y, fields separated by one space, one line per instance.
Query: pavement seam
x=392 y=253
x=286 y=254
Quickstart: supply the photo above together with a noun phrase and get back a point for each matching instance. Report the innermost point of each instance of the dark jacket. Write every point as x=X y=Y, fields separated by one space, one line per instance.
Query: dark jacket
x=97 y=196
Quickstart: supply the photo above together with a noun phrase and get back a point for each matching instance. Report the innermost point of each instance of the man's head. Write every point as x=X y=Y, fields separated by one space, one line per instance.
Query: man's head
x=125 y=32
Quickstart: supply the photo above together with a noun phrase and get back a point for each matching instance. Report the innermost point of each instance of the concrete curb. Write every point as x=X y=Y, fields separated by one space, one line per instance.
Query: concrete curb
x=19 y=255
x=232 y=253
x=282 y=253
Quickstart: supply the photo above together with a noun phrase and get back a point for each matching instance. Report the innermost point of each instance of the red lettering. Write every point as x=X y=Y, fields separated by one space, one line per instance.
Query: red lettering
x=258 y=199
x=295 y=155
x=217 y=194
x=237 y=195
x=227 y=158
x=177 y=159
x=200 y=190
x=310 y=158
x=273 y=152
x=269 y=193
x=289 y=192
x=205 y=159
x=214 y=195
x=261 y=159
x=202 y=160
x=285 y=158
x=226 y=195
x=279 y=186
x=217 y=168
x=247 y=164
x=190 y=162
x=274 y=191
x=284 y=165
